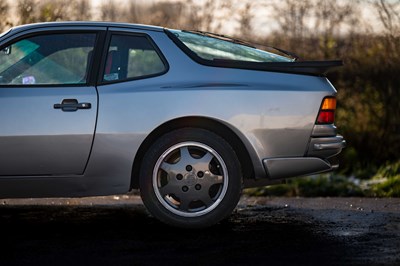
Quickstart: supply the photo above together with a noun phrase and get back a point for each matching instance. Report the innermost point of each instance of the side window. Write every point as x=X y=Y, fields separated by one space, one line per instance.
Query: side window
x=51 y=59
x=131 y=57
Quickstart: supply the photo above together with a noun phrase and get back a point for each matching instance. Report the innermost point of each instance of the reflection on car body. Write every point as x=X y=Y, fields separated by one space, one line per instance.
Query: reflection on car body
x=189 y=118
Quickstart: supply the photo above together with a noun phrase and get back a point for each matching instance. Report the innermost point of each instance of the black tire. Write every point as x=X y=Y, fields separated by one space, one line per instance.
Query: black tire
x=190 y=178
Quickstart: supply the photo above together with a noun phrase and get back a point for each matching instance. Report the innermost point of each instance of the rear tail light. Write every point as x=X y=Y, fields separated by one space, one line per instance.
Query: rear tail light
x=326 y=114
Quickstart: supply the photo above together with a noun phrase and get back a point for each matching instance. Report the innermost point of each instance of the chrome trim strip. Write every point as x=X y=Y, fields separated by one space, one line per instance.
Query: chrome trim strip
x=330 y=146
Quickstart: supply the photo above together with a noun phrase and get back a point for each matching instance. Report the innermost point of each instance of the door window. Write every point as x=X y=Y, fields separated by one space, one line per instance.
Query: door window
x=131 y=57
x=52 y=59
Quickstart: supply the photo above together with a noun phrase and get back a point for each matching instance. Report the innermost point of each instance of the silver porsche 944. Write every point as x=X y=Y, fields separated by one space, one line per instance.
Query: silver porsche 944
x=188 y=118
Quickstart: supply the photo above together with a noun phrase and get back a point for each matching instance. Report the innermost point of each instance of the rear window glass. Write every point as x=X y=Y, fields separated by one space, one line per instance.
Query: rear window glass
x=210 y=48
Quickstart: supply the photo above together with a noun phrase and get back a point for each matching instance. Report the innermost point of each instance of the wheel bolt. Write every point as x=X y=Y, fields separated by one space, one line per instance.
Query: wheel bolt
x=185 y=189
x=200 y=174
x=197 y=187
x=179 y=176
x=189 y=168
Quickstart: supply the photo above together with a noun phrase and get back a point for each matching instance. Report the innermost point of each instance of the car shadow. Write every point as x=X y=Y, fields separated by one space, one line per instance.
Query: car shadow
x=128 y=235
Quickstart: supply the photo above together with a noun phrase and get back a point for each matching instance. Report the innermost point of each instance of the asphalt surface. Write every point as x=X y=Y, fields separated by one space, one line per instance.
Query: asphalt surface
x=117 y=230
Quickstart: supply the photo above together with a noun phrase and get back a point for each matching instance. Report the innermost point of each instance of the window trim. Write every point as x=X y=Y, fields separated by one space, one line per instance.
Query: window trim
x=93 y=68
x=101 y=81
x=4 y=33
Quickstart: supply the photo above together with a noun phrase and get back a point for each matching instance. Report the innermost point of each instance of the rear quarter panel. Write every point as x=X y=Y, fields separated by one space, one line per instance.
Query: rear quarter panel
x=272 y=113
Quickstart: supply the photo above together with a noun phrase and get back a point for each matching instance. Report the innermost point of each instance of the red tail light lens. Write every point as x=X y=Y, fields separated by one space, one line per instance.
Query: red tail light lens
x=326 y=117
x=327 y=112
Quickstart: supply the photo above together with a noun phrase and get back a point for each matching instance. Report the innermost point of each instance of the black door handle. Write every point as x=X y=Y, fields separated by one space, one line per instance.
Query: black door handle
x=71 y=105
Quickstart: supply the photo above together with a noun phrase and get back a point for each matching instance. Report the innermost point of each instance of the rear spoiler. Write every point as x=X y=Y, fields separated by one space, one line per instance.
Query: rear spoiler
x=316 y=68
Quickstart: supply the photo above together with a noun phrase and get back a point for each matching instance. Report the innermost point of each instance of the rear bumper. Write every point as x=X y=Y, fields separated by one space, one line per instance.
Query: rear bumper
x=280 y=168
x=319 y=159
x=326 y=147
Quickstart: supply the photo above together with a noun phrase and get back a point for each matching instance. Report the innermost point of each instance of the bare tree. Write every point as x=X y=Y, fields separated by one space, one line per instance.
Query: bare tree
x=245 y=21
x=389 y=15
x=292 y=16
x=314 y=27
x=25 y=11
x=110 y=11
x=81 y=10
x=193 y=17
x=166 y=14
x=203 y=16
x=4 y=13
x=331 y=16
x=29 y=11
x=135 y=13
x=53 y=10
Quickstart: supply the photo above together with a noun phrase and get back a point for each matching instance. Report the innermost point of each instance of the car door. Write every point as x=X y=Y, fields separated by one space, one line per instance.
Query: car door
x=48 y=104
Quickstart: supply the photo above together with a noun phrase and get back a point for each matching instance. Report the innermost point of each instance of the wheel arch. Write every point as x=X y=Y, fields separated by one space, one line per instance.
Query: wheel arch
x=212 y=125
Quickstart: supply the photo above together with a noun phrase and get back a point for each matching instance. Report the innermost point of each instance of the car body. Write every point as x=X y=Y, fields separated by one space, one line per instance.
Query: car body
x=189 y=118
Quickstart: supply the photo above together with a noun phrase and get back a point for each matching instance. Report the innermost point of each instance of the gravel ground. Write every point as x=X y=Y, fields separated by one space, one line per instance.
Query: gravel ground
x=117 y=230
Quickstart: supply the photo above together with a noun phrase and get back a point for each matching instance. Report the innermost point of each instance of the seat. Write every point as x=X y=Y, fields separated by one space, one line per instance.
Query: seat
x=112 y=68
